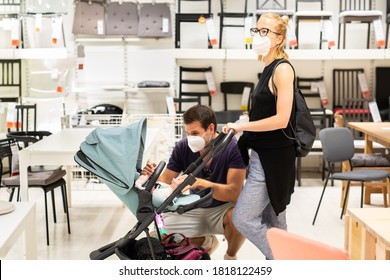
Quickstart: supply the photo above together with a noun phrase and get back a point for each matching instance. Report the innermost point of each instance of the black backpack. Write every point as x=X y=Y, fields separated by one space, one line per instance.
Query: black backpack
x=302 y=124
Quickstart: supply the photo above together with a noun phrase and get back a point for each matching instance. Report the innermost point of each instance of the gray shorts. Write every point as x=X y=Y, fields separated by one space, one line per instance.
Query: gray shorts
x=197 y=222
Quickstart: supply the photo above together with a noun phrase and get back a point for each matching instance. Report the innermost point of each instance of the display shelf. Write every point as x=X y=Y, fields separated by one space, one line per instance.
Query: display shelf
x=248 y=54
x=200 y=53
x=38 y=53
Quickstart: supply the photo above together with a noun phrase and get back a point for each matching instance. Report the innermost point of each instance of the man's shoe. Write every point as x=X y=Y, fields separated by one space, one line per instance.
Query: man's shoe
x=210 y=243
x=227 y=257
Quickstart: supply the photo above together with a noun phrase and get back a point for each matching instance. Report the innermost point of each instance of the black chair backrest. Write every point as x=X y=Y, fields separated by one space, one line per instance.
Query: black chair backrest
x=10 y=76
x=345 y=85
x=313 y=98
x=27 y=116
x=193 y=83
x=236 y=88
x=356 y=5
x=180 y=8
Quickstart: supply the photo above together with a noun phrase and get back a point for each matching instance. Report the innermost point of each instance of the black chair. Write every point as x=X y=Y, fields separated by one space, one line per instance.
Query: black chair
x=189 y=17
x=234 y=88
x=225 y=15
x=337 y=146
x=26 y=115
x=382 y=91
x=310 y=15
x=352 y=12
x=193 y=84
x=48 y=181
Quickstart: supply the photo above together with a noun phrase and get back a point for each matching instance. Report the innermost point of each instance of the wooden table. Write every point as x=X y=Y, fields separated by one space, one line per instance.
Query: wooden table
x=374 y=132
x=378 y=132
x=367 y=233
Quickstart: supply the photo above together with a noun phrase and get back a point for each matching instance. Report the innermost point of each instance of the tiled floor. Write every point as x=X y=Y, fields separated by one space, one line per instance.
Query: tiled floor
x=98 y=218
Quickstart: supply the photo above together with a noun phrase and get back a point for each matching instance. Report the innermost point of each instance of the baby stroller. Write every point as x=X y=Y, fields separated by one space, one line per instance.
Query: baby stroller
x=115 y=156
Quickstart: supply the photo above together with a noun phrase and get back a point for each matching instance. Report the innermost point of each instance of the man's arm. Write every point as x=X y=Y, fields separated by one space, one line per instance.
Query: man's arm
x=167 y=176
x=228 y=192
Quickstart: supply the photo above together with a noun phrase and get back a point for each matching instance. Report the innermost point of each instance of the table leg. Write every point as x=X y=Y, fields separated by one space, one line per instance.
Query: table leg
x=30 y=236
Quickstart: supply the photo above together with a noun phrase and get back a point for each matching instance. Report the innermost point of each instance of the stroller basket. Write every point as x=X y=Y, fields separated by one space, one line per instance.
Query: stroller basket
x=111 y=154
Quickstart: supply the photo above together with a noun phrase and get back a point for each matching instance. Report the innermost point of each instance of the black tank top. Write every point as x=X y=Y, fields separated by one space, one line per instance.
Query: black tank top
x=263 y=105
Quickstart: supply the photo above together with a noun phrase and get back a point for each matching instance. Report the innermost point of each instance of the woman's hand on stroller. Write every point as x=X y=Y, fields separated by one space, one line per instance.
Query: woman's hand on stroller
x=235 y=126
x=149 y=168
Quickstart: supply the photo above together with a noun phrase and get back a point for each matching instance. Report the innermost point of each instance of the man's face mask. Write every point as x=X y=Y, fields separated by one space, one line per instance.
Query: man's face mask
x=196 y=143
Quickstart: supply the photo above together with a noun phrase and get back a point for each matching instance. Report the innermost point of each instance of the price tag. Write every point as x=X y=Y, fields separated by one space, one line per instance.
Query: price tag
x=57 y=27
x=211 y=83
x=363 y=85
x=38 y=22
x=100 y=27
x=165 y=25
x=329 y=33
x=323 y=94
x=247 y=33
x=374 y=110
x=292 y=38
x=244 y=99
x=211 y=31
x=15 y=32
x=170 y=106
x=378 y=28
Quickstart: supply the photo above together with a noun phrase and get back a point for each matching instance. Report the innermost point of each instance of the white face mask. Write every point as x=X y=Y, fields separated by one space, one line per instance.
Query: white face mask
x=261 y=45
x=196 y=143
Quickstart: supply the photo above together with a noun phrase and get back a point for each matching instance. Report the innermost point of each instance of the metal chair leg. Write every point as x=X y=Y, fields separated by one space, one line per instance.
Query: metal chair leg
x=322 y=194
x=345 y=199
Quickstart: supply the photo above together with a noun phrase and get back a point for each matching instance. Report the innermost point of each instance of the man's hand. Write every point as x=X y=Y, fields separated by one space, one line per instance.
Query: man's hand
x=149 y=168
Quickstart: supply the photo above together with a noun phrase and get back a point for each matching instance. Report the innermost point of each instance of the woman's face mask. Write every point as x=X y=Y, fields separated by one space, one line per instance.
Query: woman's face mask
x=196 y=143
x=261 y=45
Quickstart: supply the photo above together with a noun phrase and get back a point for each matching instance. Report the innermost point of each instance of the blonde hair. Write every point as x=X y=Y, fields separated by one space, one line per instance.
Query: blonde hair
x=281 y=28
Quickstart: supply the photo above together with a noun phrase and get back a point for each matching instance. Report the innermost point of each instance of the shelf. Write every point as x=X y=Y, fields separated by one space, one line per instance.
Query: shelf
x=200 y=53
x=38 y=53
x=248 y=54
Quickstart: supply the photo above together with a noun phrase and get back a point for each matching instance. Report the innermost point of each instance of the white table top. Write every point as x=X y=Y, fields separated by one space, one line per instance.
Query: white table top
x=14 y=223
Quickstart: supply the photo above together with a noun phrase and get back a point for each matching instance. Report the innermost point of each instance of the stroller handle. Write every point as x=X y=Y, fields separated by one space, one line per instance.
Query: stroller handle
x=153 y=179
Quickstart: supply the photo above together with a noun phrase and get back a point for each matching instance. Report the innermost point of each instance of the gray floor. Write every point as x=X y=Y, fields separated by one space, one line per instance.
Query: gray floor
x=98 y=218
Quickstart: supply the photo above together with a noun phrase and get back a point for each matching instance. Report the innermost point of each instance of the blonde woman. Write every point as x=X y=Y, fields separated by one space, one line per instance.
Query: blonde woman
x=270 y=182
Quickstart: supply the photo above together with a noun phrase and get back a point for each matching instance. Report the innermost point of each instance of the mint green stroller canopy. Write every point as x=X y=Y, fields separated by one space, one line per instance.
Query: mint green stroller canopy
x=115 y=156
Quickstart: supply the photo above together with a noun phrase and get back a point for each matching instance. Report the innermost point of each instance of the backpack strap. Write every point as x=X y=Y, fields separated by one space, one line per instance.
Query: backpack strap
x=293 y=107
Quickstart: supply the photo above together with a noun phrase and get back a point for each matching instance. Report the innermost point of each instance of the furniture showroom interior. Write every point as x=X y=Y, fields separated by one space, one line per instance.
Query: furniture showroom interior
x=115 y=77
